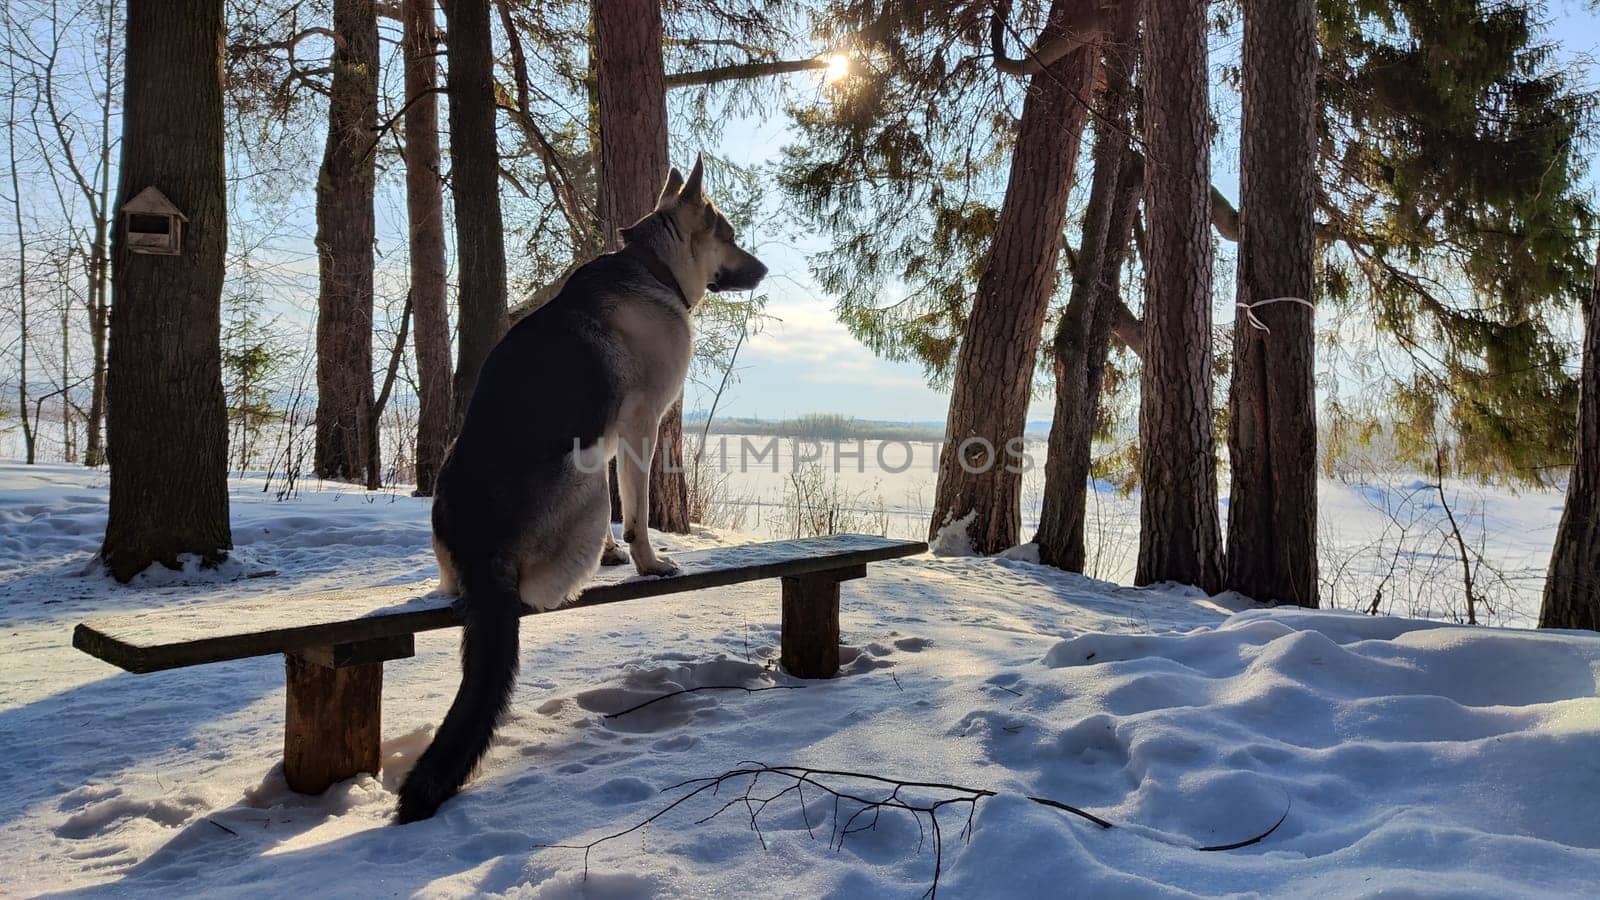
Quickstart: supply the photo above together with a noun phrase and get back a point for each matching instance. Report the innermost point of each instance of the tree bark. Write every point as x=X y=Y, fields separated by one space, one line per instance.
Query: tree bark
x=1572 y=588
x=345 y=227
x=1083 y=336
x=631 y=85
x=1178 y=531
x=168 y=424
x=1272 y=426
x=980 y=468
x=425 y=211
x=475 y=186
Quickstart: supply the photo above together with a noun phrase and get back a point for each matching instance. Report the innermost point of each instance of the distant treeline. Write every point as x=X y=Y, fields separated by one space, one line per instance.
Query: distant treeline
x=821 y=427
x=834 y=427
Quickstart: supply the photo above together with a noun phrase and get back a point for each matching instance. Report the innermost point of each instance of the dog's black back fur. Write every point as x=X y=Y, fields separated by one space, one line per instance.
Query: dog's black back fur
x=545 y=388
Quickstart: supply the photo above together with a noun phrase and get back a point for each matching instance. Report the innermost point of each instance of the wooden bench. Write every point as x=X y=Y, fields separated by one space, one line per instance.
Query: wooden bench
x=334 y=644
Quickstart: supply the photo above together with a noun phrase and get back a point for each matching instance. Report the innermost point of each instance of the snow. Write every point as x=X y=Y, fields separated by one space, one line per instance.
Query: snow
x=1412 y=757
x=1028 y=553
x=954 y=538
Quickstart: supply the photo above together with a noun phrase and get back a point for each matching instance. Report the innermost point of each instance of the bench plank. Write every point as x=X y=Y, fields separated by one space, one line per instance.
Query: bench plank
x=171 y=638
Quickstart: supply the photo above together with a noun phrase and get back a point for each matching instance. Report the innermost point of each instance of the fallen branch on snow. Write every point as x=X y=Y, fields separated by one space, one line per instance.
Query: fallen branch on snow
x=704 y=687
x=918 y=798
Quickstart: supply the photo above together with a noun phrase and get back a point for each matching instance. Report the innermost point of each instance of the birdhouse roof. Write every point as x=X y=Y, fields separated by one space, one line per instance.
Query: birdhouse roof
x=151 y=202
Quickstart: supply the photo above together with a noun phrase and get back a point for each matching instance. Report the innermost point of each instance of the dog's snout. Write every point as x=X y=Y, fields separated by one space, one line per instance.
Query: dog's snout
x=745 y=274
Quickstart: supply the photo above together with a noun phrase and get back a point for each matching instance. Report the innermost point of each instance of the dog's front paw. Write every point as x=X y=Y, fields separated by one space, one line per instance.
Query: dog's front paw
x=613 y=556
x=661 y=565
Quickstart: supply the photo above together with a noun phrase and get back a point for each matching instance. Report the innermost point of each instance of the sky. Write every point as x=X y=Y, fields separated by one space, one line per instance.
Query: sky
x=803 y=360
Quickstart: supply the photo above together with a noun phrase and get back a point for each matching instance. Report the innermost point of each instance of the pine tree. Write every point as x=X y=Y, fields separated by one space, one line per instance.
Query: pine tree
x=425 y=214
x=346 y=222
x=1453 y=216
x=475 y=185
x=1572 y=589
x=632 y=111
x=1081 y=344
x=901 y=164
x=1178 y=532
x=980 y=476
x=1272 y=422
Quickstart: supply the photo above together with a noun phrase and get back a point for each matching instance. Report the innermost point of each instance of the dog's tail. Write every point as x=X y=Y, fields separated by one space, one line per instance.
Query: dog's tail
x=491 y=608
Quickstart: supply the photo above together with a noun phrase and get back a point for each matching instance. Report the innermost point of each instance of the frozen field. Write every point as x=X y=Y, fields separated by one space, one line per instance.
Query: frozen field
x=1386 y=538
x=1403 y=756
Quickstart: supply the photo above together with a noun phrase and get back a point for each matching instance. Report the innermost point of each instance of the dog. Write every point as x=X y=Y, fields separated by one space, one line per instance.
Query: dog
x=521 y=508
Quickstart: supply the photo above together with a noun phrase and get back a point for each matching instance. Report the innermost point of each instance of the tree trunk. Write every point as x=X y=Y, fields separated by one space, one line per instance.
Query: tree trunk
x=345 y=225
x=94 y=453
x=167 y=418
x=1272 y=426
x=28 y=440
x=631 y=85
x=425 y=210
x=1082 y=338
x=980 y=468
x=475 y=186
x=69 y=437
x=1572 y=588
x=1178 y=531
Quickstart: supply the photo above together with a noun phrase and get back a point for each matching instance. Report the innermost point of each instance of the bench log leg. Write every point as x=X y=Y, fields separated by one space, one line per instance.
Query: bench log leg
x=334 y=724
x=811 y=622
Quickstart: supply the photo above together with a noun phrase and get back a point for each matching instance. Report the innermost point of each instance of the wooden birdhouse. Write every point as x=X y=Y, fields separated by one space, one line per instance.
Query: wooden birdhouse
x=153 y=224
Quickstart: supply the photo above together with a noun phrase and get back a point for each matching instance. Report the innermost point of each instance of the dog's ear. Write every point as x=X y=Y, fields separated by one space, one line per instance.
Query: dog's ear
x=694 y=189
x=670 y=190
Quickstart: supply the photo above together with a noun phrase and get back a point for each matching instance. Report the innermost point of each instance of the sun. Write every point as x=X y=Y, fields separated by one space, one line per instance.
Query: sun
x=838 y=68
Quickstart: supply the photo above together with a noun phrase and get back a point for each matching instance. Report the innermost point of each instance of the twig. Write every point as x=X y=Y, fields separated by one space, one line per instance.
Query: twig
x=1473 y=600
x=388 y=124
x=1288 y=802
x=704 y=687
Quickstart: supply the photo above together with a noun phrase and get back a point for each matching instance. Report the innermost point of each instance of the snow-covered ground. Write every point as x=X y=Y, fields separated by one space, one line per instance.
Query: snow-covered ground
x=1405 y=757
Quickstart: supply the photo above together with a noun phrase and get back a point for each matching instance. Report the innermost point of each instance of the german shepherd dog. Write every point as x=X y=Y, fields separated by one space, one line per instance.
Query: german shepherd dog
x=521 y=510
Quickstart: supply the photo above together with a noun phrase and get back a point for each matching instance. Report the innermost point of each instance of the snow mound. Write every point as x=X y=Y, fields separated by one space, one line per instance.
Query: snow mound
x=953 y=539
x=1028 y=553
x=1399 y=746
x=193 y=570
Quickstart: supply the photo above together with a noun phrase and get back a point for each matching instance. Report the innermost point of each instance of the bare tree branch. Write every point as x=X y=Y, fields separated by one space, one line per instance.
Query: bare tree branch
x=743 y=71
x=1128 y=328
x=288 y=43
x=1042 y=57
x=704 y=687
